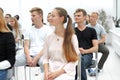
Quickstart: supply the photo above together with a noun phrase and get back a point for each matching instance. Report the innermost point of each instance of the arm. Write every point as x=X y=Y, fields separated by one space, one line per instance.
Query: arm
x=94 y=41
x=102 y=40
x=37 y=57
x=46 y=71
x=53 y=75
x=92 y=49
x=27 y=52
x=4 y=64
x=102 y=35
x=69 y=67
x=10 y=50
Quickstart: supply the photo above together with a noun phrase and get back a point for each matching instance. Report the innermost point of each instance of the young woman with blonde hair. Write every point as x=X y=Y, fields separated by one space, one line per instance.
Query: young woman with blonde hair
x=7 y=48
x=16 y=31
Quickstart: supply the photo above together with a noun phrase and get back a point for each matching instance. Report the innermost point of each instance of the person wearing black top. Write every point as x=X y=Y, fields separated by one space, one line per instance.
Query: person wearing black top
x=87 y=39
x=7 y=48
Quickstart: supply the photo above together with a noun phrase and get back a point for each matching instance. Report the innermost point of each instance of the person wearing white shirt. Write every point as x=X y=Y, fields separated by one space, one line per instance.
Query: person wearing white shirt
x=60 y=52
x=34 y=39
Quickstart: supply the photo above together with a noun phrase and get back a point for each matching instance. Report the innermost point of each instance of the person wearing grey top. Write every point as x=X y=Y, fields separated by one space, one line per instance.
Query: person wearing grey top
x=101 y=35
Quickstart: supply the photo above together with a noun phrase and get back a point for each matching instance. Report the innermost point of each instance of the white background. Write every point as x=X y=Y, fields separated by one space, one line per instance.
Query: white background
x=22 y=7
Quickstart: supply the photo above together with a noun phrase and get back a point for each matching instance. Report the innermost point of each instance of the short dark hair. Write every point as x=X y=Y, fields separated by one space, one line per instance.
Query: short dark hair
x=17 y=17
x=81 y=10
x=9 y=15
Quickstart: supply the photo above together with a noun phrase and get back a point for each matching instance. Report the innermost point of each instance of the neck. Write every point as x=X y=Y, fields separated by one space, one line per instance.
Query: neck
x=39 y=25
x=81 y=27
x=60 y=31
x=93 y=24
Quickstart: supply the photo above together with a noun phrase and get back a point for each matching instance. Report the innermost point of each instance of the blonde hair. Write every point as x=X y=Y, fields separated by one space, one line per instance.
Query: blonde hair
x=38 y=10
x=3 y=25
x=16 y=26
x=68 y=49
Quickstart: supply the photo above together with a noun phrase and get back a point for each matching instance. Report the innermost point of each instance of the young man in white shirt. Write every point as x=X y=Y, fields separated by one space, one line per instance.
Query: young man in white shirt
x=34 y=40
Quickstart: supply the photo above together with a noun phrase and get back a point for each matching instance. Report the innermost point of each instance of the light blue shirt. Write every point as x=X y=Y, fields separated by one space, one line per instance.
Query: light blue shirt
x=99 y=29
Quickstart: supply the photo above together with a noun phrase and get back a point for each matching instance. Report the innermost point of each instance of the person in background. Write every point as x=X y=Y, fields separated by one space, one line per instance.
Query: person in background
x=16 y=32
x=48 y=18
x=7 y=18
x=87 y=19
x=17 y=18
x=101 y=35
x=33 y=41
x=87 y=38
x=61 y=48
x=7 y=48
x=49 y=21
x=1 y=10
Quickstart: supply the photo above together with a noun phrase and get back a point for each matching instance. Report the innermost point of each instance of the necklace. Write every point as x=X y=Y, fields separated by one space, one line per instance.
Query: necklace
x=58 y=36
x=57 y=39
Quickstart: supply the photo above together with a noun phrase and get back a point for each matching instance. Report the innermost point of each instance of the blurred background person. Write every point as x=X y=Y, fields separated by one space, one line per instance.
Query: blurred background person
x=16 y=32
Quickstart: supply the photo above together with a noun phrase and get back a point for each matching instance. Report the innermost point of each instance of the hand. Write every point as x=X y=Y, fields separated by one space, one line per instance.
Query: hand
x=34 y=61
x=82 y=51
x=29 y=61
x=52 y=76
x=47 y=77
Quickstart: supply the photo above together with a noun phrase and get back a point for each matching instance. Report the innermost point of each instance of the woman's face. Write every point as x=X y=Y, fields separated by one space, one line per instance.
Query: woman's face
x=12 y=22
x=55 y=18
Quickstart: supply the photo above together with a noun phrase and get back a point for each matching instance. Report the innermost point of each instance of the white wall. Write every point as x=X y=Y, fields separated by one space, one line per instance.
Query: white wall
x=22 y=7
x=118 y=5
x=116 y=11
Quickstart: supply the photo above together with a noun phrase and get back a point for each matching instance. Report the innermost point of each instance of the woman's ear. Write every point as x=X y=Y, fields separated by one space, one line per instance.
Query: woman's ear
x=62 y=19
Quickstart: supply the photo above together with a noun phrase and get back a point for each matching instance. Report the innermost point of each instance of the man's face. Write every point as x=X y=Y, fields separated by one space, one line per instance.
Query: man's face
x=35 y=17
x=93 y=18
x=79 y=17
x=7 y=18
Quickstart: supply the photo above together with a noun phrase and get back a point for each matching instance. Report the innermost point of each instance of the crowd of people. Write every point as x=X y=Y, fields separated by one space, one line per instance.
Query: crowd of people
x=56 y=48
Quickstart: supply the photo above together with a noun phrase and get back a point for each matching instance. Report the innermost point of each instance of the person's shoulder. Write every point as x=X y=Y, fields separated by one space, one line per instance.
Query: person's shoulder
x=99 y=25
x=75 y=28
x=46 y=26
x=29 y=28
x=88 y=27
x=7 y=34
x=74 y=36
x=9 y=26
x=51 y=36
